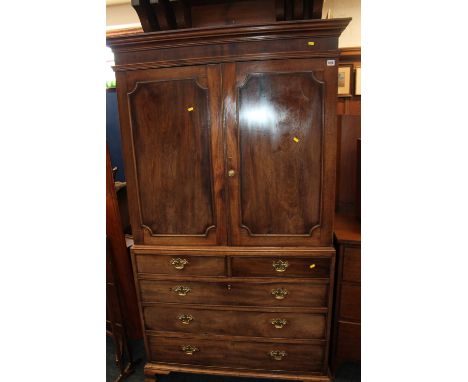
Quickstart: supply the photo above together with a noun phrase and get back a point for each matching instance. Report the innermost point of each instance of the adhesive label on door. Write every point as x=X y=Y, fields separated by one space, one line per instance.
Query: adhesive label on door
x=330 y=62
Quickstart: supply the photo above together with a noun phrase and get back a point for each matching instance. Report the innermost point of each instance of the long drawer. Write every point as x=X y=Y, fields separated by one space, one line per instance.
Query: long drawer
x=273 y=356
x=242 y=293
x=281 y=267
x=180 y=318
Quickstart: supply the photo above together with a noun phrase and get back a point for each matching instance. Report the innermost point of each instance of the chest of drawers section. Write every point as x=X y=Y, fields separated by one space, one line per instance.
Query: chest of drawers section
x=347 y=304
x=240 y=309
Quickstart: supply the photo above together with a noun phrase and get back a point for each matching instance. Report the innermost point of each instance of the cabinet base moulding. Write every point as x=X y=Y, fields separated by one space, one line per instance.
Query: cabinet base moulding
x=152 y=370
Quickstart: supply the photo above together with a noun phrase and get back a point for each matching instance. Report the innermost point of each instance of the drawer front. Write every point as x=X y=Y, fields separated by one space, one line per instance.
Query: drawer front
x=348 y=347
x=238 y=354
x=352 y=264
x=350 y=305
x=231 y=322
x=236 y=293
x=281 y=266
x=180 y=265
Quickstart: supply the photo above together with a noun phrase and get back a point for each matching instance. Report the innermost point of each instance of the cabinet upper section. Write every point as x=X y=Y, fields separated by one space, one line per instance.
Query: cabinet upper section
x=289 y=39
x=236 y=150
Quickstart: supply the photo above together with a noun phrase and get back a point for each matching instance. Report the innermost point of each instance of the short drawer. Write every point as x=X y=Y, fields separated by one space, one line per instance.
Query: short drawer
x=281 y=266
x=268 y=293
x=234 y=322
x=352 y=264
x=180 y=265
x=350 y=302
x=239 y=354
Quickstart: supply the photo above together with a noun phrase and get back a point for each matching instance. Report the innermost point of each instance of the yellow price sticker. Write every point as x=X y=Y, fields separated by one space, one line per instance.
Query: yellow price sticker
x=312 y=266
x=190 y=109
x=296 y=139
x=311 y=43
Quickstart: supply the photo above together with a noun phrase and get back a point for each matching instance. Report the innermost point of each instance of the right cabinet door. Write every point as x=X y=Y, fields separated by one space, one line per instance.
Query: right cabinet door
x=281 y=147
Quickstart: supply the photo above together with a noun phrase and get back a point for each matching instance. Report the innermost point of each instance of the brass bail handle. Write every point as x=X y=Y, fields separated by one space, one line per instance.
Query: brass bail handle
x=179 y=263
x=189 y=349
x=278 y=355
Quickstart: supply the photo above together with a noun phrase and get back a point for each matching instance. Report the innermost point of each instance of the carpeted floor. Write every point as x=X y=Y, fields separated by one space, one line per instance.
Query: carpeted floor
x=347 y=373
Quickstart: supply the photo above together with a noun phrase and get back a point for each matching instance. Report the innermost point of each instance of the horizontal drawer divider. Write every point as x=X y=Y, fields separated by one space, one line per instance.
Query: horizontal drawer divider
x=352 y=283
x=349 y=322
x=325 y=252
x=266 y=309
x=238 y=372
x=258 y=280
x=205 y=336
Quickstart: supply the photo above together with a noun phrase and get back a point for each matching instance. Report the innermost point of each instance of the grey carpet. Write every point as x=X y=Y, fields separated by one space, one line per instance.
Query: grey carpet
x=347 y=373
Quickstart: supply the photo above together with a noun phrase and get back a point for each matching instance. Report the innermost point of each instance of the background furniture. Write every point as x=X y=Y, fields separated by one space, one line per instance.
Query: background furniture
x=229 y=140
x=347 y=313
x=121 y=264
x=157 y=15
x=121 y=321
x=115 y=322
x=346 y=337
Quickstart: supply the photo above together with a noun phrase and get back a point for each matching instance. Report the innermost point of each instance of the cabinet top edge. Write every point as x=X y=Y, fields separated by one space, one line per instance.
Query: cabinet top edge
x=329 y=27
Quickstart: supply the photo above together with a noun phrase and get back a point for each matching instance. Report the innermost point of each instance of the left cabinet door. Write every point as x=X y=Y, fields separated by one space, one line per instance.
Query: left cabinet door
x=173 y=153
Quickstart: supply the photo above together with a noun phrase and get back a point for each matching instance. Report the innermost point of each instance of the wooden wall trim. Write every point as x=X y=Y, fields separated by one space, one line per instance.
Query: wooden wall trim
x=123 y=31
x=353 y=53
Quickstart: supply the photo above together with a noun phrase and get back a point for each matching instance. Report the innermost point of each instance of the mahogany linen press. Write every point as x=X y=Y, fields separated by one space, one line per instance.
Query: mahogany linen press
x=229 y=143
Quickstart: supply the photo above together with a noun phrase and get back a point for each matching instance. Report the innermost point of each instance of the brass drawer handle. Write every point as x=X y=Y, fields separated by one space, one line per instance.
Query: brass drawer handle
x=181 y=290
x=189 y=349
x=185 y=318
x=279 y=323
x=179 y=263
x=279 y=293
x=278 y=355
x=280 y=265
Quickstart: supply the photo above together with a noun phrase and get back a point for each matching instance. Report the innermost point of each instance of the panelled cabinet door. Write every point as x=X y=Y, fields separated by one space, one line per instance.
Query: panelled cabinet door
x=280 y=151
x=171 y=133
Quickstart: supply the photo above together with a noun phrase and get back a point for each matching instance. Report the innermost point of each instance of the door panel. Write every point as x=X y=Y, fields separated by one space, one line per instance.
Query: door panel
x=177 y=170
x=280 y=133
x=278 y=141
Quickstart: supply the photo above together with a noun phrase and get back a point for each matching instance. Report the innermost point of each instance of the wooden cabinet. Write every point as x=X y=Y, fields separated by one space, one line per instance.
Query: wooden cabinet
x=229 y=139
x=347 y=314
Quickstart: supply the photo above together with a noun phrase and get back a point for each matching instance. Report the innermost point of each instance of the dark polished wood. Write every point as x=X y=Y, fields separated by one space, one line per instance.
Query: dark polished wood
x=225 y=321
x=171 y=118
x=349 y=131
x=175 y=112
x=281 y=143
x=236 y=292
x=347 y=310
x=156 y=15
x=303 y=356
x=280 y=267
x=229 y=140
x=349 y=134
x=115 y=320
x=184 y=265
x=121 y=263
x=148 y=20
x=280 y=136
